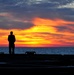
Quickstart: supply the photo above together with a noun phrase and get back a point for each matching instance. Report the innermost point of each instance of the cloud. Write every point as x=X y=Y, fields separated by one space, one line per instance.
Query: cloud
x=34 y=3
x=65 y=28
x=41 y=21
x=37 y=8
x=9 y=21
x=68 y=5
x=15 y=25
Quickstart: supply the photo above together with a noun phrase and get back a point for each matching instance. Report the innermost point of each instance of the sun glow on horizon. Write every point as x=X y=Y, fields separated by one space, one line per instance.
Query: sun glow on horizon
x=44 y=33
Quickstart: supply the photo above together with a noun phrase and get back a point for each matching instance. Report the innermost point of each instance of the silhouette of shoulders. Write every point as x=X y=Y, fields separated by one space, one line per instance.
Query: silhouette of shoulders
x=11 y=37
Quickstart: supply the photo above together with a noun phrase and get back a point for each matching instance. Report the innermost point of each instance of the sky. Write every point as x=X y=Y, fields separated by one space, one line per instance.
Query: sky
x=37 y=23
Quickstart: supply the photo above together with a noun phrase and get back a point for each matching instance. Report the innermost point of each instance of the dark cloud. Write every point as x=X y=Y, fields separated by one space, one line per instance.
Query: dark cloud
x=27 y=9
x=43 y=12
x=15 y=25
x=62 y=1
x=65 y=28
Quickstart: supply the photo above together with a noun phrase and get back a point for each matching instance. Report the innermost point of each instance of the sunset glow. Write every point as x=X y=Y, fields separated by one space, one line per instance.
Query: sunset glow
x=43 y=33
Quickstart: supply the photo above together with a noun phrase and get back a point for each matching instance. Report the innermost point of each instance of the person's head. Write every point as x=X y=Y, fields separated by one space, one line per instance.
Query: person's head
x=11 y=33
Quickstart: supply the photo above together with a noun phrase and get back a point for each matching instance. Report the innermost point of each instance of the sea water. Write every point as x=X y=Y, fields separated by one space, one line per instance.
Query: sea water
x=40 y=50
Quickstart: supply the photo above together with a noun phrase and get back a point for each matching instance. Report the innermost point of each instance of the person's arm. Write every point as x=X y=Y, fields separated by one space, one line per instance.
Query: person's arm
x=8 y=37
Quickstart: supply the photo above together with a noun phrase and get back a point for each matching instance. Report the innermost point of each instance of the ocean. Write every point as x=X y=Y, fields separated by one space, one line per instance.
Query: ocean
x=41 y=50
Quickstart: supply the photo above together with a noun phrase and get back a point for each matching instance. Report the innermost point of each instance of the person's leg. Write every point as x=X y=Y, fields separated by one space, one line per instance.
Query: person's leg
x=9 y=50
x=13 y=50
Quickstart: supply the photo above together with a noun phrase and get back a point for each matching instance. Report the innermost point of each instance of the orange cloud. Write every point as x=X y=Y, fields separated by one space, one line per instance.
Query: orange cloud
x=43 y=34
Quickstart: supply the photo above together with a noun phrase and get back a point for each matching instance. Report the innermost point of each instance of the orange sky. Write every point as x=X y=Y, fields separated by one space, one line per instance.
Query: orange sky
x=44 y=33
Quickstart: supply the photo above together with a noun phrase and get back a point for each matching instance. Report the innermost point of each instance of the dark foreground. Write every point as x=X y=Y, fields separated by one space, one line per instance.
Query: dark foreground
x=36 y=64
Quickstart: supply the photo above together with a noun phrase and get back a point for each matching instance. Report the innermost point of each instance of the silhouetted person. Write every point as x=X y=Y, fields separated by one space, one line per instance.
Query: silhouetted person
x=11 y=39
